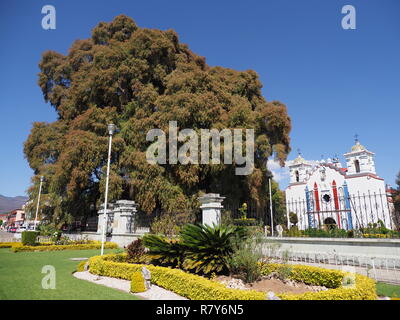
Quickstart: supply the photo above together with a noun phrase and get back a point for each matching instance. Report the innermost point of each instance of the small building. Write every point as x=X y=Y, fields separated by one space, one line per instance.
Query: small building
x=16 y=218
x=325 y=193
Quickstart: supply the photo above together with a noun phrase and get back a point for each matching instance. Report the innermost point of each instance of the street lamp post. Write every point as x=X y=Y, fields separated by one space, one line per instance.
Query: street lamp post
x=38 y=203
x=111 y=129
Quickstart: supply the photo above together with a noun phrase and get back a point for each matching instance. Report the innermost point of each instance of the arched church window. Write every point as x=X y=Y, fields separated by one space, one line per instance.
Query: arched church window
x=357 y=165
x=297 y=176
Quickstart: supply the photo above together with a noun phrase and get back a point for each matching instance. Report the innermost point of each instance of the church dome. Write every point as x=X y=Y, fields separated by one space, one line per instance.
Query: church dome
x=357 y=147
x=299 y=160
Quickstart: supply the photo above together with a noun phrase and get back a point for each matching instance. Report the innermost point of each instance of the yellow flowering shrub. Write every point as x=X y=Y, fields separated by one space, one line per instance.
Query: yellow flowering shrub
x=309 y=275
x=81 y=266
x=195 y=287
x=94 y=245
x=185 y=284
x=9 y=244
x=137 y=282
x=362 y=289
x=376 y=235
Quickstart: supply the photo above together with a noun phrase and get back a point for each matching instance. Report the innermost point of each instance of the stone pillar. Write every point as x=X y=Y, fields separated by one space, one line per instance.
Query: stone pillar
x=211 y=205
x=124 y=217
x=101 y=217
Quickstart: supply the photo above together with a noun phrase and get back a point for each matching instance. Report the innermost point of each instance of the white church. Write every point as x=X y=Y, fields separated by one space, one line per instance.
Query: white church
x=324 y=192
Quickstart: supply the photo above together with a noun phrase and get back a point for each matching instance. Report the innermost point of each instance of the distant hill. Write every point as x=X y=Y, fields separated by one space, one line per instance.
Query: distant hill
x=10 y=203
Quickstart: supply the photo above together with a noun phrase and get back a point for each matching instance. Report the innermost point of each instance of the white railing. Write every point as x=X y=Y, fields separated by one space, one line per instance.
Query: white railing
x=384 y=269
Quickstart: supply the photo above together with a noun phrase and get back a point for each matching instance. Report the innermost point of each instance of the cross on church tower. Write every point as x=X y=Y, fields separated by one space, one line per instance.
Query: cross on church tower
x=299 y=151
x=356 y=137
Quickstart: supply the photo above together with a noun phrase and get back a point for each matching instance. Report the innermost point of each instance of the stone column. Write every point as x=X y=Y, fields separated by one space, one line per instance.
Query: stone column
x=124 y=217
x=211 y=205
x=101 y=217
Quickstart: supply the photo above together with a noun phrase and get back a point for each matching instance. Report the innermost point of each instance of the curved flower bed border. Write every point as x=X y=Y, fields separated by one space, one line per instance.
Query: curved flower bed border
x=362 y=288
x=198 y=288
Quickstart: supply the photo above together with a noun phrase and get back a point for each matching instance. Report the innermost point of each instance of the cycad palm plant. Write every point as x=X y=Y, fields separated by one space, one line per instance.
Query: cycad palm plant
x=207 y=248
x=164 y=251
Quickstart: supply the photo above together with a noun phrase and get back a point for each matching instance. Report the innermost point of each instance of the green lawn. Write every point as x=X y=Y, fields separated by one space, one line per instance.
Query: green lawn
x=388 y=290
x=21 y=277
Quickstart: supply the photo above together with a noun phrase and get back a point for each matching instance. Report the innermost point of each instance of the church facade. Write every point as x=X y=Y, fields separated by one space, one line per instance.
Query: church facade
x=349 y=197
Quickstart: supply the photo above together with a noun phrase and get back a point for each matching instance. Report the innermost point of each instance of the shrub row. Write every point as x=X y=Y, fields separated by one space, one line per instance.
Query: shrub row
x=198 y=288
x=9 y=244
x=362 y=289
x=246 y=222
x=94 y=245
x=19 y=244
x=319 y=233
x=307 y=274
x=185 y=284
x=377 y=235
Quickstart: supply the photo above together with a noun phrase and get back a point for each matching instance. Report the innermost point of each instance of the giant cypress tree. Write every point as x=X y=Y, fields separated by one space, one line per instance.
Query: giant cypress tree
x=141 y=79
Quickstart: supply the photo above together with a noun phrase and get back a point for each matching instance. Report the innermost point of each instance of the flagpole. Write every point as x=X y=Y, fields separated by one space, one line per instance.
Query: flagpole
x=270 y=203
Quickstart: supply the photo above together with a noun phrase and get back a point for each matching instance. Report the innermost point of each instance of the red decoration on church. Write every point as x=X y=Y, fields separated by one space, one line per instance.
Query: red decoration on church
x=336 y=201
x=317 y=206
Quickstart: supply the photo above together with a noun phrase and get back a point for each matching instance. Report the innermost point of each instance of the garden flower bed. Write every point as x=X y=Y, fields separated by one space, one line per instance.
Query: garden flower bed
x=270 y=283
x=196 y=287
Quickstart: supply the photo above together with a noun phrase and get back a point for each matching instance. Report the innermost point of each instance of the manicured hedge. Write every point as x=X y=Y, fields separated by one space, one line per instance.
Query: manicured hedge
x=379 y=235
x=246 y=222
x=309 y=275
x=198 y=288
x=28 y=238
x=137 y=282
x=363 y=289
x=185 y=284
x=94 y=245
x=9 y=244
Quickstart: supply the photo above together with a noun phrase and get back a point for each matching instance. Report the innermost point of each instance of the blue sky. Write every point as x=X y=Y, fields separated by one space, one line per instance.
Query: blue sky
x=334 y=82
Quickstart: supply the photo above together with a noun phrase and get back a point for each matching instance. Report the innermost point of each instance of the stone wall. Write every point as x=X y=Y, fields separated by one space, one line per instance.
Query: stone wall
x=121 y=239
x=121 y=227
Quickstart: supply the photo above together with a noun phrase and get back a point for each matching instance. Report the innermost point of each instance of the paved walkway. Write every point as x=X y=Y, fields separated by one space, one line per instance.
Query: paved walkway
x=154 y=293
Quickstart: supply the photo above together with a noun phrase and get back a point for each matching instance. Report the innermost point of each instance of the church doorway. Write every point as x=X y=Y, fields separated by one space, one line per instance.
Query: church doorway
x=330 y=223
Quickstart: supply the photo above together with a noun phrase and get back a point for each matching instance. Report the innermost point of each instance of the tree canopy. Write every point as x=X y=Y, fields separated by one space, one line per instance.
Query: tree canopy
x=141 y=79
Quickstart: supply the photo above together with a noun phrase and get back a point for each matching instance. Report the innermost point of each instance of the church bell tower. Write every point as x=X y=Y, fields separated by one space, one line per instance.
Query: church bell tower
x=359 y=160
x=299 y=169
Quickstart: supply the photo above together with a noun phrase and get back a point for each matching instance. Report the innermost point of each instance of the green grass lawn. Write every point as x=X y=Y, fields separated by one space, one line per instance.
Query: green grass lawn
x=21 y=277
x=387 y=290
